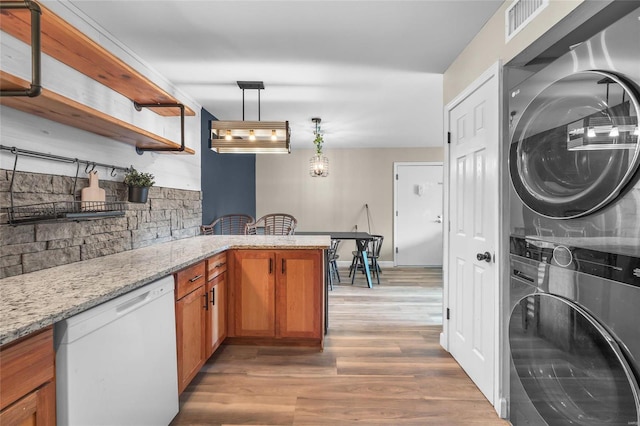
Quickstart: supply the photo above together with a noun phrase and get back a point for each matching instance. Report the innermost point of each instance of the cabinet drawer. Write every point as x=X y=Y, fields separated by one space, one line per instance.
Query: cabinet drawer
x=26 y=365
x=216 y=265
x=189 y=279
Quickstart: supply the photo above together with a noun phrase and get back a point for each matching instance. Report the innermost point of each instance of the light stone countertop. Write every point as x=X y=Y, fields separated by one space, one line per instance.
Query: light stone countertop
x=32 y=301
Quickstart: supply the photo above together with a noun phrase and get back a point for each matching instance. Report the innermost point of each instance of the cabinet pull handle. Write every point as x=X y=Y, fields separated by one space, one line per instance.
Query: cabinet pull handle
x=213 y=296
x=206 y=301
x=270 y=266
x=196 y=278
x=284 y=269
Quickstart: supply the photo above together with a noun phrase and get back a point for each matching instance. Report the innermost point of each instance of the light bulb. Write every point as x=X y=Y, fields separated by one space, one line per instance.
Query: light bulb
x=228 y=135
x=591 y=132
x=614 y=133
x=252 y=135
x=273 y=136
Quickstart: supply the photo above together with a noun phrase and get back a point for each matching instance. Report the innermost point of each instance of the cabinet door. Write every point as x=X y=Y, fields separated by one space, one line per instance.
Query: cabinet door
x=216 y=312
x=190 y=328
x=254 y=295
x=299 y=293
x=35 y=409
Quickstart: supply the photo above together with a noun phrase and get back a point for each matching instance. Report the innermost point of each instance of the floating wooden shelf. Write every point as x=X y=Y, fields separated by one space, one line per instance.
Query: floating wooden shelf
x=70 y=46
x=53 y=106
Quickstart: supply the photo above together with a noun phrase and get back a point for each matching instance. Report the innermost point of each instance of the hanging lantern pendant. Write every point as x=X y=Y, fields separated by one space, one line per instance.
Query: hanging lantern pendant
x=318 y=164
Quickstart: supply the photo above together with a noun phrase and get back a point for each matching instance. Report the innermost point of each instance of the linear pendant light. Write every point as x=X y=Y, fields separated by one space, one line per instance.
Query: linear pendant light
x=250 y=137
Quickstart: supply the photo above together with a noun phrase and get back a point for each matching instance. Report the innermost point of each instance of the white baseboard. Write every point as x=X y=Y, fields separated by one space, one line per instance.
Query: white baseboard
x=443 y=342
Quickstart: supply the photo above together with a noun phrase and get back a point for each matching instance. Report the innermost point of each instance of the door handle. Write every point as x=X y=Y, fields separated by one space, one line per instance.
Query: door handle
x=270 y=266
x=486 y=256
x=438 y=219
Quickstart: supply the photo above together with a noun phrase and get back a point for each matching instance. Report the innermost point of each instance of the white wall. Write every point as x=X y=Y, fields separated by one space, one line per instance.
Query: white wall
x=33 y=133
x=336 y=202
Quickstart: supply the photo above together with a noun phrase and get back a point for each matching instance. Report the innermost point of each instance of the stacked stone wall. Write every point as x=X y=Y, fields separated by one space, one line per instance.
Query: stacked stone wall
x=169 y=214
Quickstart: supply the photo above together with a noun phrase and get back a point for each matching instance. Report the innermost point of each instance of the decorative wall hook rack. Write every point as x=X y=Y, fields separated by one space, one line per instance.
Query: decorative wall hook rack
x=61 y=210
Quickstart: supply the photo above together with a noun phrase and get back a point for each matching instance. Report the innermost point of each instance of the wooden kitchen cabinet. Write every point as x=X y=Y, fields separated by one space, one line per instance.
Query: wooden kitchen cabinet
x=299 y=294
x=216 y=323
x=277 y=296
x=191 y=303
x=254 y=296
x=27 y=381
x=201 y=314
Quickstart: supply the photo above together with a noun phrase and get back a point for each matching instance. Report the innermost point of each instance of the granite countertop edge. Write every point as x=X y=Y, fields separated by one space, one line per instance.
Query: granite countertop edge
x=36 y=300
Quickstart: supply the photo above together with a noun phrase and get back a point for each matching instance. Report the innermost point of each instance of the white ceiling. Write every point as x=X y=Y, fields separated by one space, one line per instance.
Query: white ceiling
x=371 y=70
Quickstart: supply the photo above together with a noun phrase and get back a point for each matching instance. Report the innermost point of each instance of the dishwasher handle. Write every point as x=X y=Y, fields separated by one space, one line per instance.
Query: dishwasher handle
x=133 y=304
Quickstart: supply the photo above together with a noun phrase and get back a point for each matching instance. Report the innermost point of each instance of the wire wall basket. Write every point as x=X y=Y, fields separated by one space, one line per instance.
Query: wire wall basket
x=69 y=210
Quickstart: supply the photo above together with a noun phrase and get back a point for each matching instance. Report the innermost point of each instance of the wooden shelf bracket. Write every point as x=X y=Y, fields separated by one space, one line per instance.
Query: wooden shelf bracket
x=36 y=48
x=139 y=107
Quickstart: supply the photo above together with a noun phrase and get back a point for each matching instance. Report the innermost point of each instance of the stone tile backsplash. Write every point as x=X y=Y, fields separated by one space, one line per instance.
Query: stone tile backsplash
x=169 y=214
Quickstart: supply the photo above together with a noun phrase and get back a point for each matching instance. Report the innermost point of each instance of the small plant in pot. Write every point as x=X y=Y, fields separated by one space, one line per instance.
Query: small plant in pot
x=138 y=184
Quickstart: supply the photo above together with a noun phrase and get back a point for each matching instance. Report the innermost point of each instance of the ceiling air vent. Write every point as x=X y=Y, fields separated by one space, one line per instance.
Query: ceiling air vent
x=520 y=13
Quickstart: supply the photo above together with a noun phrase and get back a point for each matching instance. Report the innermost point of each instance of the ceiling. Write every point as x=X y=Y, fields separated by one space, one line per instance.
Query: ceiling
x=371 y=70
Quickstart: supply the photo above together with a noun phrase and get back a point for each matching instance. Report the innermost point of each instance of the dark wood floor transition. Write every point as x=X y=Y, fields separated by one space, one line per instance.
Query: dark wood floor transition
x=382 y=364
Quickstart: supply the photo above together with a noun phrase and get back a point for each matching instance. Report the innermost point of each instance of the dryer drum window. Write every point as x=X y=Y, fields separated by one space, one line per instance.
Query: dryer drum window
x=575 y=147
x=569 y=365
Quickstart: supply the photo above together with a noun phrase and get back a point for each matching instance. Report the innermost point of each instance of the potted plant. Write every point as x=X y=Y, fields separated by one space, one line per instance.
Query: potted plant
x=138 y=184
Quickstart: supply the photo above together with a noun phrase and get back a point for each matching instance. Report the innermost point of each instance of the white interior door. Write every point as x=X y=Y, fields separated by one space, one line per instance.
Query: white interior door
x=418 y=218
x=474 y=218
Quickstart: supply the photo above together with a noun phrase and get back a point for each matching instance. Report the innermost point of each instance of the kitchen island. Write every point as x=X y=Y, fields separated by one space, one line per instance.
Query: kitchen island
x=36 y=300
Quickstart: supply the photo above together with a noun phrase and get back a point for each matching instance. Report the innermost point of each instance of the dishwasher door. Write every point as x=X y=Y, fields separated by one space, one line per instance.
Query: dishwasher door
x=116 y=363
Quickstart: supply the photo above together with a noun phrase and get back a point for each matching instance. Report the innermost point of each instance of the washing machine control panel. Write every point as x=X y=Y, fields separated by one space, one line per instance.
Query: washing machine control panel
x=612 y=266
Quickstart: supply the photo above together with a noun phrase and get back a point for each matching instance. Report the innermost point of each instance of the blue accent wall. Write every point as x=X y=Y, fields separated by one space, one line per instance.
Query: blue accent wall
x=228 y=180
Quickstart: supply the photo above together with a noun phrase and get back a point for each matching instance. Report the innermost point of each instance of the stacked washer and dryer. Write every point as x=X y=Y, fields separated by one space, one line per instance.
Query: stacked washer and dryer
x=574 y=155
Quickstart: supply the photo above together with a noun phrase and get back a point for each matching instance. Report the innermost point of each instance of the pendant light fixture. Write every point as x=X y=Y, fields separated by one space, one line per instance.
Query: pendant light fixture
x=614 y=126
x=250 y=137
x=318 y=164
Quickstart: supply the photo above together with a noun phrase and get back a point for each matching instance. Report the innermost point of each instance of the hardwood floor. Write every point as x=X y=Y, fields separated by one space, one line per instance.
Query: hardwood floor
x=382 y=364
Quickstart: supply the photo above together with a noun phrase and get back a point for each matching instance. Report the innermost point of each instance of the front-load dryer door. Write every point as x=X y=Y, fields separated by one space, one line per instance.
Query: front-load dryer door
x=575 y=147
x=567 y=369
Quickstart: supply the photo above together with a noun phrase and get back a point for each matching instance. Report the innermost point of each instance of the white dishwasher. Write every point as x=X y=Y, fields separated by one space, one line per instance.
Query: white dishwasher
x=116 y=363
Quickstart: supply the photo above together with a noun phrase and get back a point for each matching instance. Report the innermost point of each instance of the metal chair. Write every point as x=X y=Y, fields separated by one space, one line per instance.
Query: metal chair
x=230 y=224
x=373 y=253
x=333 y=262
x=273 y=224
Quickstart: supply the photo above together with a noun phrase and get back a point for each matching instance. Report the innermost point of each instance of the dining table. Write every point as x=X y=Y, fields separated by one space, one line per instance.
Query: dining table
x=362 y=242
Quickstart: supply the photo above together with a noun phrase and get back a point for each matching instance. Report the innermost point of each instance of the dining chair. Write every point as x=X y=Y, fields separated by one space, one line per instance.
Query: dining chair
x=374 y=247
x=333 y=262
x=230 y=224
x=273 y=224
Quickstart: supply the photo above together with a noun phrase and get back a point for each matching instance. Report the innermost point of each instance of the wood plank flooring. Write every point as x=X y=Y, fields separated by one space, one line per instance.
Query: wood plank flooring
x=382 y=365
